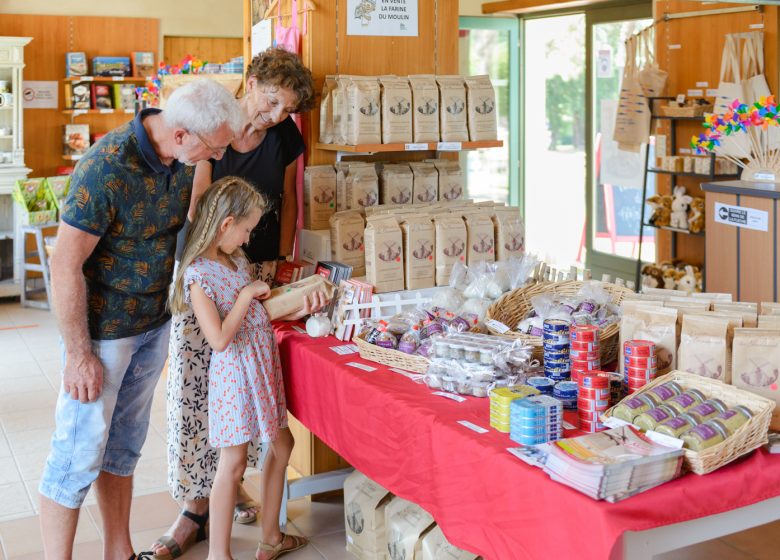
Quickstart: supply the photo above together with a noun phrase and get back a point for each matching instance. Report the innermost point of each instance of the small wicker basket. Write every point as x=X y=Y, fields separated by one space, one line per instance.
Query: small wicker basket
x=686 y=111
x=392 y=358
x=513 y=306
x=748 y=437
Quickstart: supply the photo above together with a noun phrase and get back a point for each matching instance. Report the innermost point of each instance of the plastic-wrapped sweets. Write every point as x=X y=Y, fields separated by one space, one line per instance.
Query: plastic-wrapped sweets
x=591 y=306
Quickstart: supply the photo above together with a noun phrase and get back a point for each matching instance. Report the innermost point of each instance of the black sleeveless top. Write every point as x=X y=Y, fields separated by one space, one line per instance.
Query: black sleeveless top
x=264 y=169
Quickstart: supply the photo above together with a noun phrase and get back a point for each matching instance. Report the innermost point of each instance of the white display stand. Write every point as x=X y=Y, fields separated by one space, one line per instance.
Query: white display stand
x=12 y=166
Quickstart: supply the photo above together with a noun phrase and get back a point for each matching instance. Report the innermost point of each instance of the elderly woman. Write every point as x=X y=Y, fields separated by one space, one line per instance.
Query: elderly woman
x=264 y=154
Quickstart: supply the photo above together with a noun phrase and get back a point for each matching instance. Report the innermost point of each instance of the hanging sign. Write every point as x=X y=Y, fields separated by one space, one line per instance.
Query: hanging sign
x=382 y=18
x=741 y=216
x=604 y=67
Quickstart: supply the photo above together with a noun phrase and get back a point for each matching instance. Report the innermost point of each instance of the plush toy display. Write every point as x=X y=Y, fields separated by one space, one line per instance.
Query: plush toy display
x=680 y=205
x=652 y=276
x=662 y=210
x=696 y=215
x=677 y=275
x=687 y=280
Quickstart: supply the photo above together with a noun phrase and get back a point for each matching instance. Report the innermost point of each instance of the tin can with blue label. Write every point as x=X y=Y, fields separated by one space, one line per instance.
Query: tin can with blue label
x=556 y=326
x=565 y=390
x=543 y=384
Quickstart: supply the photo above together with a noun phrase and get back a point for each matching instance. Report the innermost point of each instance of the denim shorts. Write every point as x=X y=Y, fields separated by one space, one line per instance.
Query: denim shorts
x=108 y=434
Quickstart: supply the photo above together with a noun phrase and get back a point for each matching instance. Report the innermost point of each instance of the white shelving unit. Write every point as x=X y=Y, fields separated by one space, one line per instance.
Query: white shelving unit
x=12 y=165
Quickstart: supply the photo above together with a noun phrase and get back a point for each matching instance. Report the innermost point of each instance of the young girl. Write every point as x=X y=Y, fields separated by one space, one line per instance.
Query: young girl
x=246 y=394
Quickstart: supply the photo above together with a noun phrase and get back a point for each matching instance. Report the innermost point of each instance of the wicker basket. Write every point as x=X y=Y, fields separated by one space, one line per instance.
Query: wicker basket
x=513 y=306
x=392 y=358
x=686 y=111
x=748 y=437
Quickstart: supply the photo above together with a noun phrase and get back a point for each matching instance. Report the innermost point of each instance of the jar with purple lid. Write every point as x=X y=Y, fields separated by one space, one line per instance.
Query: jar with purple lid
x=628 y=409
x=734 y=418
x=686 y=401
x=665 y=391
x=677 y=426
x=650 y=419
x=704 y=436
x=707 y=410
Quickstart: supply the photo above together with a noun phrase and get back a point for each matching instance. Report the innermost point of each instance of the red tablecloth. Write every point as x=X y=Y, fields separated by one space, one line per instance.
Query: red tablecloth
x=485 y=499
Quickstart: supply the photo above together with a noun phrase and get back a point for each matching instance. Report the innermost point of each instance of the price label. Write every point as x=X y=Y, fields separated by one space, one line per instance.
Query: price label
x=756 y=26
x=456 y=398
x=118 y=78
x=685 y=151
x=129 y=111
x=84 y=79
x=298 y=329
x=358 y=365
x=79 y=112
x=345 y=349
x=472 y=426
x=612 y=422
x=106 y=111
x=416 y=147
x=703 y=84
x=569 y=426
x=680 y=98
x=497 y=326
x=695 y=92
x=713 y=92
x=674 y=47
x=449 y=146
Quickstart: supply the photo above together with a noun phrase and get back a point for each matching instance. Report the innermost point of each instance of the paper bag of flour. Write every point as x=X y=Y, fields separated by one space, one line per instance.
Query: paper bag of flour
x=452 y=113
x=326 y=110
x=384 y=254
x=480 y=240
x=450 y=245
x=288 y=299
x=364 y=516
x=365 y=120
x=419 y=244
x=362 y=186
x=425 y=105
x=656 y=324
x=509 y=232
x=406 y=524
x=748 y=311
x=396 y=110
x=342 y=169
x=426 y=182
x=435 y=546
x=704 y=347
x=319 y=196
x=340 y=109
x=396 y=184
x=481 y=103
x=756 y=365
x=346 y=240
x=451 y=185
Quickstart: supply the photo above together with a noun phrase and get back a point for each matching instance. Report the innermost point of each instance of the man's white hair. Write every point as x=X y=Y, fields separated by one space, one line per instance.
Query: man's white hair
x=201 y=107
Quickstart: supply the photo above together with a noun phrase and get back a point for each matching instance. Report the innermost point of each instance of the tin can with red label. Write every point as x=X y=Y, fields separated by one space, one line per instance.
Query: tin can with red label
x=640 y=373
x=639 y=348
x=580 y=346
x=580 y=355
x=591 y=427
x=595 y=394
x=592 y=404
x=585 y=333
x=590 y=415
x=585 y=365
x=640 y=361
x=594 y=380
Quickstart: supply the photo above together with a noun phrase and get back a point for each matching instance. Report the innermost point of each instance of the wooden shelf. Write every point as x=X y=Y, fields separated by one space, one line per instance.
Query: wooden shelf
x=676 y=230
x=104 y=79
x=73 y=158
x=689 y=174
x=411 y=147
x=79 y=112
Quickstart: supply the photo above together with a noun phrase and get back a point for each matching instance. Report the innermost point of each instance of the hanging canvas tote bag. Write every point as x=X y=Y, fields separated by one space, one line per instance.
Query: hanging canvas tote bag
x=632 y=123
x=731 y=87
x=754 y=80
x=651 y=77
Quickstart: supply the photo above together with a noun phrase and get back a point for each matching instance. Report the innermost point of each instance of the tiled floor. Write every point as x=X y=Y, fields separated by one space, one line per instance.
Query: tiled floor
x=29 y=374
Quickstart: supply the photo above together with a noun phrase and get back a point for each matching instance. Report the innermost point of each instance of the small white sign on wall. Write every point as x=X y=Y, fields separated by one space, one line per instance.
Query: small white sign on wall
x=39 y=95
x=741 y=216
x=382 y=18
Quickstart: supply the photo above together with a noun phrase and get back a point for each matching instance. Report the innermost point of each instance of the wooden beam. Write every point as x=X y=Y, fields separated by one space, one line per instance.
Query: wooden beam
x=530 y=6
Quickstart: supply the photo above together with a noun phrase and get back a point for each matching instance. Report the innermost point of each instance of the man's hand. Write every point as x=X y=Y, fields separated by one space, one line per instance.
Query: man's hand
x=83 y=377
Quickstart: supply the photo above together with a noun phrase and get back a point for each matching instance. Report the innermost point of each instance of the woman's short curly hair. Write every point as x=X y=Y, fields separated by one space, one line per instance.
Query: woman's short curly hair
x=281 y=68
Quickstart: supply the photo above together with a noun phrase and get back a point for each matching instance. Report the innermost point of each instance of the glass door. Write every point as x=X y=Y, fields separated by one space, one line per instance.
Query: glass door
x=615 y=176
x=490 y=46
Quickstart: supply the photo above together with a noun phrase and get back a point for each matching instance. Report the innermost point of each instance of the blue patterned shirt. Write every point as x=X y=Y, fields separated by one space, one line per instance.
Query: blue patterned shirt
x=121 y=192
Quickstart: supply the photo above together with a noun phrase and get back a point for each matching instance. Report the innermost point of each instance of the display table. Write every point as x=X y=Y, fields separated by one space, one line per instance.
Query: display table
x=486 y=500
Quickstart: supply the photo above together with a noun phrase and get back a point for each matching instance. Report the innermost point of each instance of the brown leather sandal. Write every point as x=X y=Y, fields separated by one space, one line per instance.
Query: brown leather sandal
x=279 y=549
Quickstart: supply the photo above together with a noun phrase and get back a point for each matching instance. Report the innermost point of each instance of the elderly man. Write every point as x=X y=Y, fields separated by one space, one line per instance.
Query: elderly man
x=110 y=275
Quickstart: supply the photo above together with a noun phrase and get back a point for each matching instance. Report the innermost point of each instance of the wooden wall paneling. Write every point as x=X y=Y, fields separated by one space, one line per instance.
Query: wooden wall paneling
x=757 y=255
x=208 y=49
x=698 y=59
x=53 y=36
x=721 y=273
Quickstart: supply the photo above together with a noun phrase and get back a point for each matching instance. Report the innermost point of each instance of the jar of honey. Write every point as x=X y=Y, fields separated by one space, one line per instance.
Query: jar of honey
x=705 y=436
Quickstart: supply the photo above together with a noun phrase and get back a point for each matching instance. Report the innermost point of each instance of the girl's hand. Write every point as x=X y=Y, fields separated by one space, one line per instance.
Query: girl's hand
x=258 y=289
x=311 y=304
